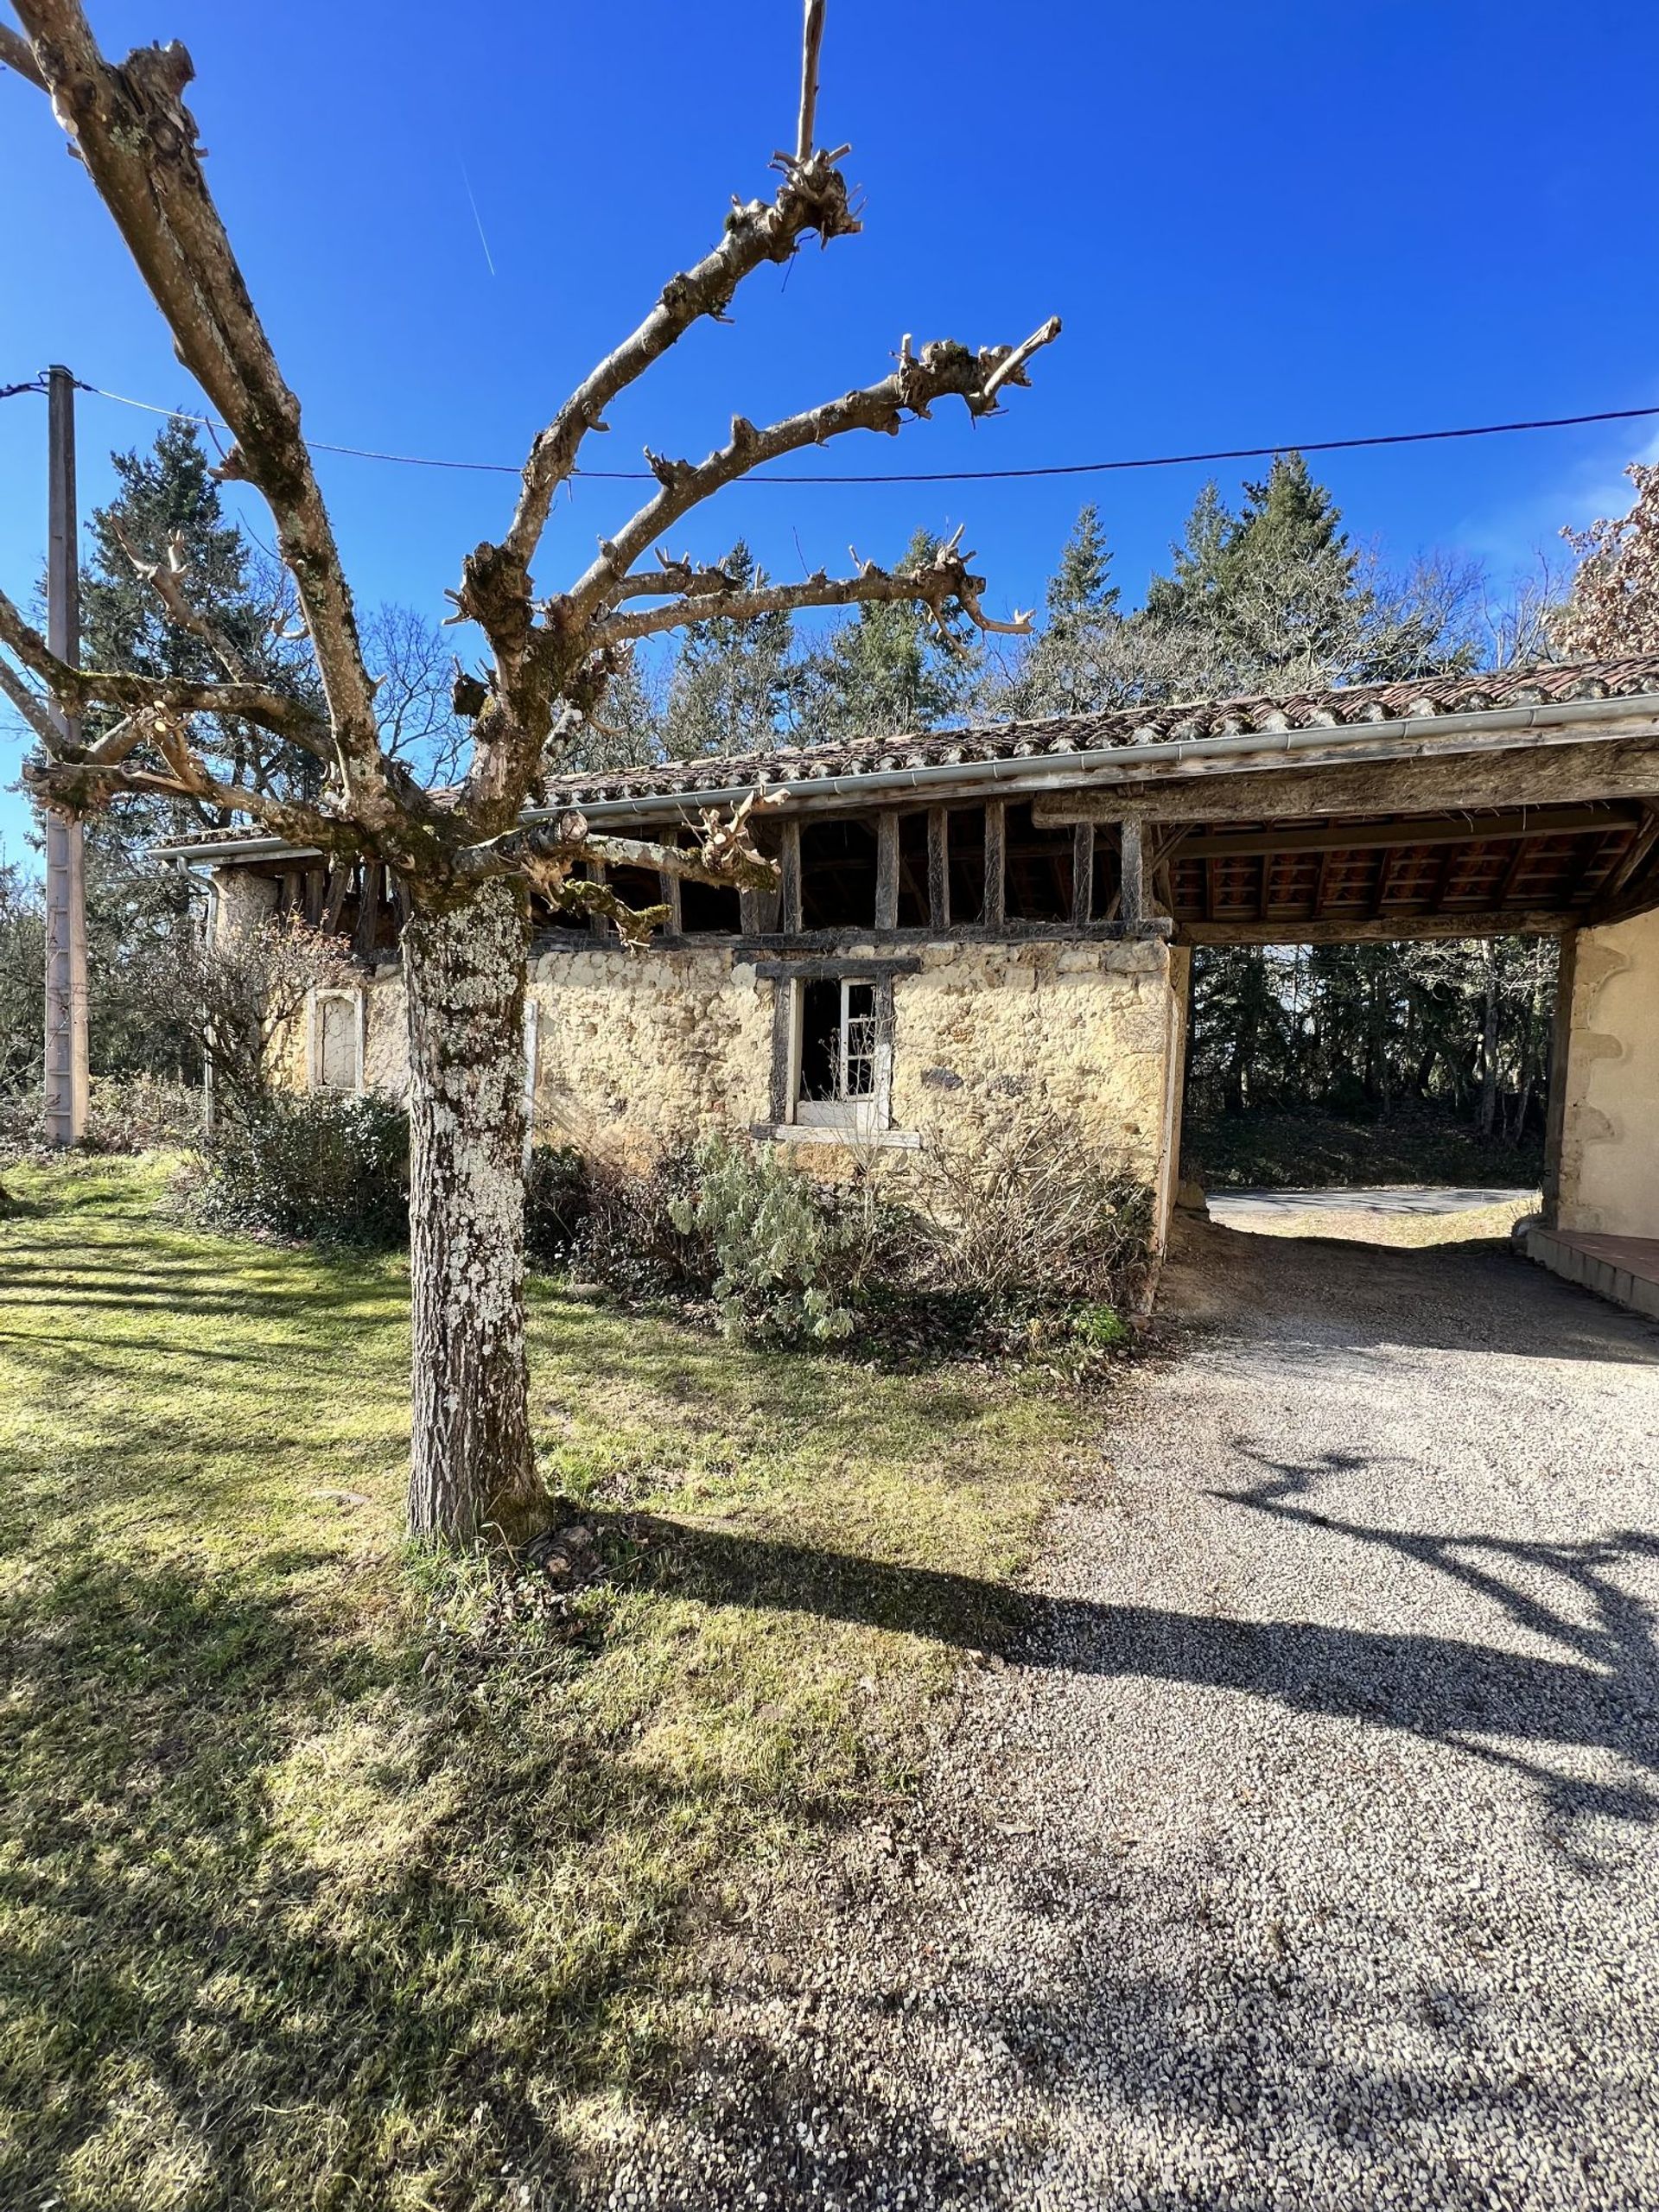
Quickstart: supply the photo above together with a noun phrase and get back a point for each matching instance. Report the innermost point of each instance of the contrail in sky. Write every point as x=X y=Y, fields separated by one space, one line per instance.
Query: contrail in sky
x=488 y=257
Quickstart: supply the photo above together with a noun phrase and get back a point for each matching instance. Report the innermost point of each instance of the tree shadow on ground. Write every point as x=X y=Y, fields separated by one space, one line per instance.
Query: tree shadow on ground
x=208 y=2002
x=1601 y=1694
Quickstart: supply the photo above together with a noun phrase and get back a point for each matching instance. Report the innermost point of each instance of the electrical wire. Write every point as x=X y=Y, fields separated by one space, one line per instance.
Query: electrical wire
x=931 y=476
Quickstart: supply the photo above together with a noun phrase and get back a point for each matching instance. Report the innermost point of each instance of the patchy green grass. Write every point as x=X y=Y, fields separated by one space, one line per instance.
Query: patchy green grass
x=320 y=1885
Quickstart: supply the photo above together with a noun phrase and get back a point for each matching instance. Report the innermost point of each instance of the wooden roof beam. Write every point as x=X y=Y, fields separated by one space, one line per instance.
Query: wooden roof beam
x=1546 y=775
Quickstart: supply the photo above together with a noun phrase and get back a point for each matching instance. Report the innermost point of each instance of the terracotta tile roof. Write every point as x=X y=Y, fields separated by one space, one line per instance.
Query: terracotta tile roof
x=1489 y=690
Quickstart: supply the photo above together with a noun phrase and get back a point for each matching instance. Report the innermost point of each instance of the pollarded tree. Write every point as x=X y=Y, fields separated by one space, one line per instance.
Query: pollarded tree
x=469 y=862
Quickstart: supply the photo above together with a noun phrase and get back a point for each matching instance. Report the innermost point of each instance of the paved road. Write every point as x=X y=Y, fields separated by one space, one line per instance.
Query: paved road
x=1308 y=1856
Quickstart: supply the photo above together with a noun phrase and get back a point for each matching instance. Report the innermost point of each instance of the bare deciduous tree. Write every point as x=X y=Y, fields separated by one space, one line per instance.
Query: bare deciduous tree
x=239 y=994
x=468 y=860
x=1614 y=609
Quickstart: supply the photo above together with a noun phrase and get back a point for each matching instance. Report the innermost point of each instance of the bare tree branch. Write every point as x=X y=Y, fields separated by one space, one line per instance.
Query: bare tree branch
x=166 y=579
x=942 y=370
x=33 y=708
x=811 y=42
x=15 y=54
x=138 y=142
x=76 y=689
x=812 y=197
x=941 y=582
x=684 y=576
x=723 y=853
x=82 y=784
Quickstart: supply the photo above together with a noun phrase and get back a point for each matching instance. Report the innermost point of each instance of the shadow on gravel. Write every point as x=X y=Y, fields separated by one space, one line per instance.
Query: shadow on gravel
x=1602 y=1695
x=1319 y=1298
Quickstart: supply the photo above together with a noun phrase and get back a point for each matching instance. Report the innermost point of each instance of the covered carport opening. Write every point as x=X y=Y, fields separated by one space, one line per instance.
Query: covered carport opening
x=1541 y=844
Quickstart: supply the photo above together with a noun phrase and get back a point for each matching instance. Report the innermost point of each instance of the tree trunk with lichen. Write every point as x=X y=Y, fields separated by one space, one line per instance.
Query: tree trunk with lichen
x=472 y=1468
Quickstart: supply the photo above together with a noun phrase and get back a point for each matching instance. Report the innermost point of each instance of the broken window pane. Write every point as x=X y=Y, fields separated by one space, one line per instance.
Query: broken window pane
x=838 y=1050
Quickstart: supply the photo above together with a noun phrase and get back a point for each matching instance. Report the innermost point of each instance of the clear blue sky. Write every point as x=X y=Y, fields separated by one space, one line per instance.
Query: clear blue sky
x=1259 y=222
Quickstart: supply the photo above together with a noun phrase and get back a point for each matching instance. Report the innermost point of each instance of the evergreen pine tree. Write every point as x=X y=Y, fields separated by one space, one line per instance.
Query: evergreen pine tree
x=734 y=687
x=889 y=671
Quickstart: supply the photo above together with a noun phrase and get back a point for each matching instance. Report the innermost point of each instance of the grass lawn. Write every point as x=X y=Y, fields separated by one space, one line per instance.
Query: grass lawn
x=1269 y=1149
x=324 y=1882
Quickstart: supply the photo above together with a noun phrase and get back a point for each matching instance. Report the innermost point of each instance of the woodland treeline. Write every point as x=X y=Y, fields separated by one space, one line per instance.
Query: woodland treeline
x=1265 y=592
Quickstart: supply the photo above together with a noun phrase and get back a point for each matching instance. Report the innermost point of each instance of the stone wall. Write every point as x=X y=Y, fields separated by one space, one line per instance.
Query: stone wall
x=636 y=1052
x=1609 y=1131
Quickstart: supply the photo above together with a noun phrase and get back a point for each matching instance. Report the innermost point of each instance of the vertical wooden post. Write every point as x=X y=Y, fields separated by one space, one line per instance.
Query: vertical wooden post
x=668 y=888
x=65 y=853
x=598 y=925
x=789 y=864
x=1132 y=899
x=366 y=937
x=886 y=868
x=996 y=846
x=1082 y=874
x=1561 y=1048
x=938 y=867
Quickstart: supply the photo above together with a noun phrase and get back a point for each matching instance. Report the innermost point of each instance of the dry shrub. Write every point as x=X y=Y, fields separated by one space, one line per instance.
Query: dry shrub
x=1028 y=1210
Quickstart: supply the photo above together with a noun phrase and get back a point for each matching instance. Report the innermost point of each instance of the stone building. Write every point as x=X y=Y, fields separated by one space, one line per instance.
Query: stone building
x=980 y=920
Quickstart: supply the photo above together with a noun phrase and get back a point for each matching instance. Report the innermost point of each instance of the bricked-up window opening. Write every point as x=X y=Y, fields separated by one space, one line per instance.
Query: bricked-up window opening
x=838 y=874
x=1039 y=870
x=840 y=1077
x=336 y=1041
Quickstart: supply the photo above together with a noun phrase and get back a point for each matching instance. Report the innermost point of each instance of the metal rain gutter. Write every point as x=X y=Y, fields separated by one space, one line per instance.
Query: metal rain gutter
x=1382 y=739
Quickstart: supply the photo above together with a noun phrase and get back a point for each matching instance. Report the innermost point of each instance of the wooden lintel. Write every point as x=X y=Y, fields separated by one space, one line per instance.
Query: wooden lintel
x=848 y=946
x=833 y=971
x=1543 y=775
x=1487 y=921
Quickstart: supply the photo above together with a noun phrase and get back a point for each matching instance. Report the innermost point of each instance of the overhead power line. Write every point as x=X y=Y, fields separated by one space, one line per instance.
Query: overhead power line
x=930 y=476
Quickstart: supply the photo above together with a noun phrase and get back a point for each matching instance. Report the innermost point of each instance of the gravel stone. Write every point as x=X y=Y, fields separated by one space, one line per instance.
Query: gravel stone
x=1307 y=1854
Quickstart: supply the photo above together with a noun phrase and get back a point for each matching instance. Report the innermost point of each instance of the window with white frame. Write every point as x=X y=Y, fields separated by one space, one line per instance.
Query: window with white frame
x=337 y=1040
x=840 y=1054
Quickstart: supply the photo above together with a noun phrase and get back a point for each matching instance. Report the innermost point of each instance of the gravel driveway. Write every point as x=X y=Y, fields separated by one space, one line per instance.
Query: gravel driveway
x=1307 y=1855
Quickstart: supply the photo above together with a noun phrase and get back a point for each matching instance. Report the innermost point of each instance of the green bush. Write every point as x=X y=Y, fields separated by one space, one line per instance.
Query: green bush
x=330 y=1167
x=559 y=1198
x=779 y=1246
x=629 y=1239
x=1101 y=1328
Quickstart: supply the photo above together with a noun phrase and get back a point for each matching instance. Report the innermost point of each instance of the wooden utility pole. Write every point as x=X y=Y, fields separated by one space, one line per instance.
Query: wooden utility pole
x=65 y=878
